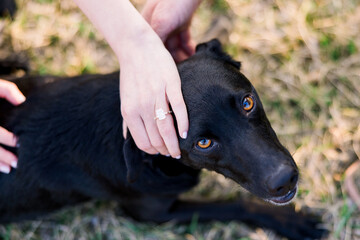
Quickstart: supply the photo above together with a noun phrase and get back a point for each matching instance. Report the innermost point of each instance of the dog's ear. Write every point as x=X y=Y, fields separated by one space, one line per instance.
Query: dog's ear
x=133 y=159
x=214 y=48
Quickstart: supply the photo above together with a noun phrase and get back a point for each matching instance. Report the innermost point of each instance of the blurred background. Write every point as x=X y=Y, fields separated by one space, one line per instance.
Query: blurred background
x=303 y=58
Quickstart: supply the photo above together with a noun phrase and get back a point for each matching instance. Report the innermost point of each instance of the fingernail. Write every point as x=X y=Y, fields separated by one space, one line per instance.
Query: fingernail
x=178 y=157
x=184 y=136
x=21 y=99
x=4 y=169
x=14 y=164
x=168 y=155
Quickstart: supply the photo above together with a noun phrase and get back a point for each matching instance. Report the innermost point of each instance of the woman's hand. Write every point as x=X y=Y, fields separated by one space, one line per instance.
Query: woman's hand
x=149 y=79
x=10 y=92
x=170 y=19
x=150 y=82
x=157 y=83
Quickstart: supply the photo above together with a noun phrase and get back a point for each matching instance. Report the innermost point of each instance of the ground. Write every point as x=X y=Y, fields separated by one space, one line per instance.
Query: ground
x=302 y=56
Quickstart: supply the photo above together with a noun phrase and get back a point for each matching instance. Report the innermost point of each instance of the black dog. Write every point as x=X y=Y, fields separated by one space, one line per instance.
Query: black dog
x=7 y=8
x=72 y=150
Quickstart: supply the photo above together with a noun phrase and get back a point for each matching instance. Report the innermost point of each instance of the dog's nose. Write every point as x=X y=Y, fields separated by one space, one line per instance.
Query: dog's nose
x=283 y=181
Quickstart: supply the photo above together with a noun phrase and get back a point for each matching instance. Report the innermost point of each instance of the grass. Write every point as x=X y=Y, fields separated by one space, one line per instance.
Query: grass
x=303 y=58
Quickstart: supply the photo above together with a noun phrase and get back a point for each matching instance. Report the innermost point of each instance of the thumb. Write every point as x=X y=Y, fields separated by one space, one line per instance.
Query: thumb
x=161 y=29
x=148 y=10
x=154 y=15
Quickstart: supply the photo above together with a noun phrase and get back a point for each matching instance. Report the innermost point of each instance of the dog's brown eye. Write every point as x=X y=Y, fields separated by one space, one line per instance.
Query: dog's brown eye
x=248 y=103
x=204 y=143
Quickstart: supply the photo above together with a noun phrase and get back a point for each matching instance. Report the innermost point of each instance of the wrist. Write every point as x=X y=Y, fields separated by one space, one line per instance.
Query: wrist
x=137 y=44
x=120 y=23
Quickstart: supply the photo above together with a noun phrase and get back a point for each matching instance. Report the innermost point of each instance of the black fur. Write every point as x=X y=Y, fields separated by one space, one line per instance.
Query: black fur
x=72 y=150
x=11 y=65
x=7 y=8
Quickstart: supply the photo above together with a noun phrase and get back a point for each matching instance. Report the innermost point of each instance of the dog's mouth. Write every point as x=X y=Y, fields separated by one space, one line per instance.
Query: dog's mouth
x=283 y=200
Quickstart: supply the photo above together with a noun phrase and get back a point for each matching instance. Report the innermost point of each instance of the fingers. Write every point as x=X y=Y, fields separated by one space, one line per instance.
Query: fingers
x=160 y=135
x=148 y=10
x=4 y=168
x=7 y=138
x=154 y=135
x=167 y=131
x=151 y=135
x=145 y=90
x=150 y=14
x=179 y=108
x=147 y=137
x=7 y=159
x=178 y=55
x=187 y=44
x=140 y=136
x=180 y=45
x=11 y=92
x=125 y=129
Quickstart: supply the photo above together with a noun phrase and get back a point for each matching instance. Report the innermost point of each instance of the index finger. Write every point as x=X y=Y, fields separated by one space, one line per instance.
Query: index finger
x=178 y=106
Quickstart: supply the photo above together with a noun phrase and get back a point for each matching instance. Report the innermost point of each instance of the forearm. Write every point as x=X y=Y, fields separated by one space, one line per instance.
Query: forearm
x=119 y=22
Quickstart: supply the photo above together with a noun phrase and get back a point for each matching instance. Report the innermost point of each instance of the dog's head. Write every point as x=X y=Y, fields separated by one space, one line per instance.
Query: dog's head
x=229 y=131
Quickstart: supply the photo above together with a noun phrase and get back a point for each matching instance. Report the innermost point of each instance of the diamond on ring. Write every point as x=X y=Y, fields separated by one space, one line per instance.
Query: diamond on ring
x=160 y=114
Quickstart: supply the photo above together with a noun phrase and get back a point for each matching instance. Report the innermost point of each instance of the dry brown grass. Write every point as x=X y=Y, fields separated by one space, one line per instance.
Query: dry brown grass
x=302 y=56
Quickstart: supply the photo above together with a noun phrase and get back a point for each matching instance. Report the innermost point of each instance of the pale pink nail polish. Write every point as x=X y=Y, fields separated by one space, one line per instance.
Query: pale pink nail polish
x=4 y=169
x=14 y=164
x=21 y=98
x=184 y=135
